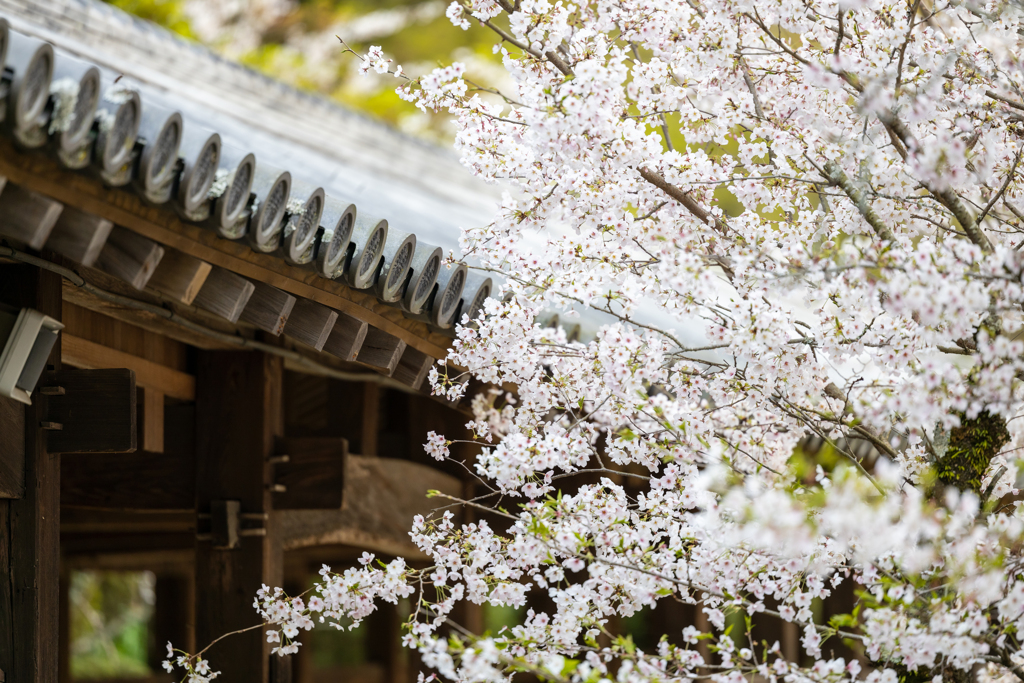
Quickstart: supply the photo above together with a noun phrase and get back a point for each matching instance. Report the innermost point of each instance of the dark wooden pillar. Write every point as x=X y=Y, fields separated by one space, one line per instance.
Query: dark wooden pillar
x=238 y=415
x=30 y=524
x=172 y=617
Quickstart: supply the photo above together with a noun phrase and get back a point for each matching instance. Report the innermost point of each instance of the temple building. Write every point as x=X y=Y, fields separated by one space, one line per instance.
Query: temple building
x=220 y=299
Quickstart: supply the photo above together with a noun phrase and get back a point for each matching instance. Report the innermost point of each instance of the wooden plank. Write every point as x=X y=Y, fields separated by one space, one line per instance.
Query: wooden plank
x=346 y=338
x=268 y=309
x=311 y=323
x=413 y=367
x=45 y=175
x=95 y=410
x=30 y=527
x=27 y=216
x=80 y=236
x=314 y=475
x=381 y=350
x=140 y=481
x=12 y=448
x=85 y=354
x=225 y=294
x=238 y=415
x=151 y=421
x=179 y=276
x=129 y=256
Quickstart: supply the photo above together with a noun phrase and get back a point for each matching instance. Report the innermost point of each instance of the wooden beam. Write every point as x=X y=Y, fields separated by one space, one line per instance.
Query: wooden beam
x=346 y=338
x=413 y=367
x=12 y=448
x=364 y=521
x=225 y=294
x=90 y=411
x=81 y=353
x=238 y=415
x=115 y=334
x=381 y=350
x=80 y=236
x=145 y=320
x=129 y=256
x=268 y=309
x=151 y=421
x=313 y=476
x=30 y=527
x=170 y=560
x=179 y=276
x=112 y=523
x=44 y=175
x=140 y=481
x=27 y=216
x=311 y=323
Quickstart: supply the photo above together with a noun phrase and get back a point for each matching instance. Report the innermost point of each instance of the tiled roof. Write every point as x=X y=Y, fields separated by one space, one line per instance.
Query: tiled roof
x=250 y=159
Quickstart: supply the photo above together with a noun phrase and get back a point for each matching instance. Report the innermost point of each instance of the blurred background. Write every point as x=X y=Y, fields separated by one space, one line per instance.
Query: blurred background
x=296 y=41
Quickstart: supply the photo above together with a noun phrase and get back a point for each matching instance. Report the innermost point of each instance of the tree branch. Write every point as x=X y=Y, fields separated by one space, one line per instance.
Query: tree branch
x=550 y=56
x=837 y=177
x=947 y=197
x=683 y=197
x=1002 y=190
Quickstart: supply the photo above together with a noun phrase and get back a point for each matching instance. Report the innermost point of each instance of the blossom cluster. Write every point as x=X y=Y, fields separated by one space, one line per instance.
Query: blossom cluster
x=761 y=224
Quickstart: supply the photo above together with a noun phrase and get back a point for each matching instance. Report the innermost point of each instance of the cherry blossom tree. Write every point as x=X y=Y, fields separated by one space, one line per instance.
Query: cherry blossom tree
x=785 y=221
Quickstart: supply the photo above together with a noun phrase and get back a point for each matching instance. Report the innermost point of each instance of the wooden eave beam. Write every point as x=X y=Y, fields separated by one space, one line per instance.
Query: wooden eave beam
x=46 y=176
x=147 y=321
x=82 y=353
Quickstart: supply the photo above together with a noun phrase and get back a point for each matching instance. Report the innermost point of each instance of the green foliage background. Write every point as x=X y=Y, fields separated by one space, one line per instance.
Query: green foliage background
x=291 y=49
x=110 y=614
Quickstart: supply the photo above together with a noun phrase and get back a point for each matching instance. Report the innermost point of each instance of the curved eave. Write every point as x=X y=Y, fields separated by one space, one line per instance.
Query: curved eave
x=414 y=188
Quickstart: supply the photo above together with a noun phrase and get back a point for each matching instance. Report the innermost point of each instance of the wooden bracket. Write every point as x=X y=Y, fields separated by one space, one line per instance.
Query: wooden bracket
x=268 y=308
x=309 y=473
x=27 y=216
x=413 y=368
x=311 y=323
x=225 y=294
x=179 y=277
x=381 y=350
x=96 y=412
x=225 y=524
x=130 y=257
x=79 y=236
x=346 y=338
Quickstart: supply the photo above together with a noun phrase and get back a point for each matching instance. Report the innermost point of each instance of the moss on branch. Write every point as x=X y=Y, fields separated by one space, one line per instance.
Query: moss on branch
x=971 y=448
